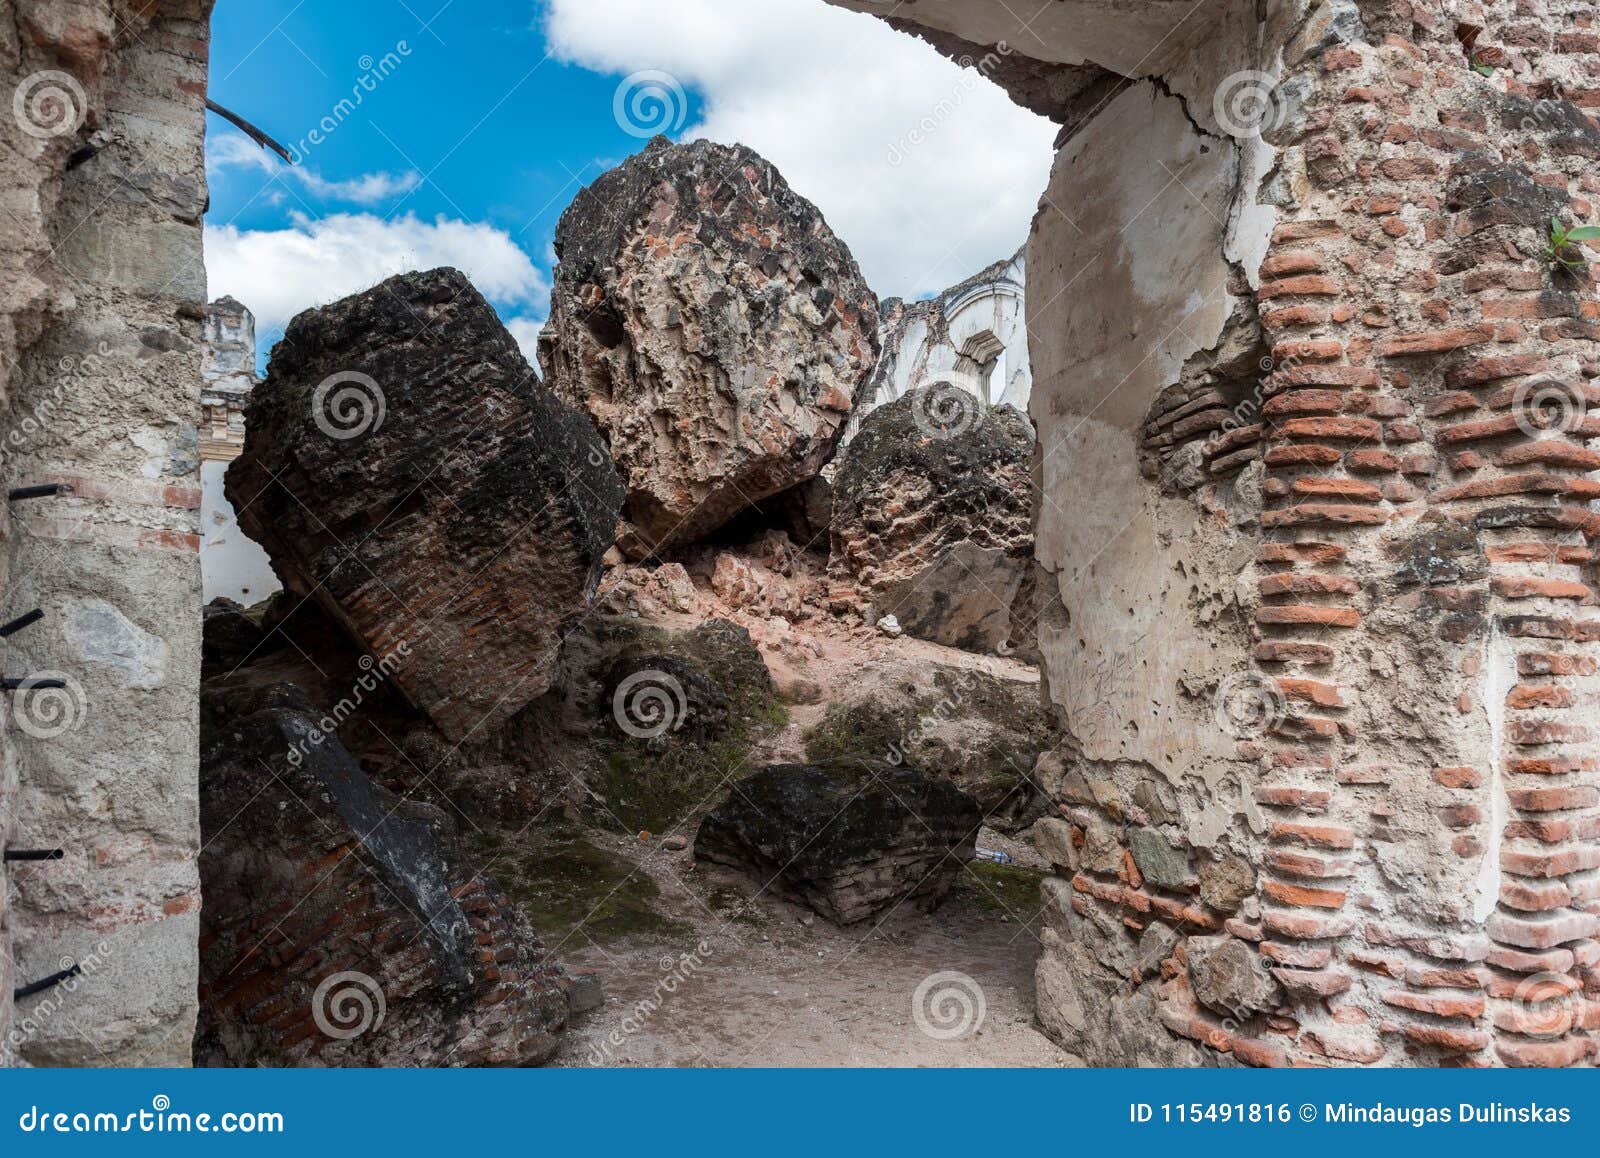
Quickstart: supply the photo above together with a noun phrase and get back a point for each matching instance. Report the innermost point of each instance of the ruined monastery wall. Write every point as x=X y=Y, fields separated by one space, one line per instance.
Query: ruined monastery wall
x=1316 y=509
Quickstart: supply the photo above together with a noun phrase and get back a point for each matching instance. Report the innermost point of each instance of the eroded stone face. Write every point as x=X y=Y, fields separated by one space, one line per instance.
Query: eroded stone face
x=404 y=467
x=932 y=514
x=713 y=327
x=398 y=950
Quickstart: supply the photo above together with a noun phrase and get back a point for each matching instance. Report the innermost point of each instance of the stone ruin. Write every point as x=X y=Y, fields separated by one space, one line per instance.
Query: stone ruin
x=714 y=328
x=1315 y=521
x=232 y=566
x=973 y=336
x=405 y=468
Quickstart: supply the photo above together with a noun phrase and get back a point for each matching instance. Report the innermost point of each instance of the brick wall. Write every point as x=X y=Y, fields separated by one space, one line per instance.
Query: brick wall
x=1358 y=411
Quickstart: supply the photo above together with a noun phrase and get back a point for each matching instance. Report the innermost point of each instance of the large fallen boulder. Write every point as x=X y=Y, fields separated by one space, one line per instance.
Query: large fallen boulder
x=342 y=924
x=851 y=839
x=980 y=731
x=404 y=466
x=715 y=329
x=933 y=518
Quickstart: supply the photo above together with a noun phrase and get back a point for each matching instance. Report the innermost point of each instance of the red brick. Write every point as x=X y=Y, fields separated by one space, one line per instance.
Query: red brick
x=1434 y=342
x=1314 y=616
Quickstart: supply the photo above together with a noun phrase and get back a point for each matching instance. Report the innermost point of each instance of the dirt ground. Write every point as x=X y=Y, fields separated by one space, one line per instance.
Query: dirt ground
x=725 y=981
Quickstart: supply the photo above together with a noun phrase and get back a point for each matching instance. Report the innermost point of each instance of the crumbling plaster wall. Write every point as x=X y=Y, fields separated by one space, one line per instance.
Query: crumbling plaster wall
x=102 y=292
x=1320 y=649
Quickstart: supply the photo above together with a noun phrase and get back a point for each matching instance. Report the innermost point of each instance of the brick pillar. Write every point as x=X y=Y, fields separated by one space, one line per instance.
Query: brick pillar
x=1425 y=573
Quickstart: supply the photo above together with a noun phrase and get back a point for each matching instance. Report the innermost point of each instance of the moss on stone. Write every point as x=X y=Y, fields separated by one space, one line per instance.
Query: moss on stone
x=867 y=728
x=569 y=887
x=649 y=786
x=1007 y=890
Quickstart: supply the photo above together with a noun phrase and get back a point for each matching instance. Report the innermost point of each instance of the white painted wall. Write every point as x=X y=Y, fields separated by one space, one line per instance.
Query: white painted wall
x=231 y=564
x=926 y=346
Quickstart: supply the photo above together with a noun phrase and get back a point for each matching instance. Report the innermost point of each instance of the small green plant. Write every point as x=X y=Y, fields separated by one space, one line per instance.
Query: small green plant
x=1482 y=68
x=1564 y=249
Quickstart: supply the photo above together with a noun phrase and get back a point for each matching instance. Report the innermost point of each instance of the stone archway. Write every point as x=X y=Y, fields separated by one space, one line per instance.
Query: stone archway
x=982 y=361
x=1316 y=525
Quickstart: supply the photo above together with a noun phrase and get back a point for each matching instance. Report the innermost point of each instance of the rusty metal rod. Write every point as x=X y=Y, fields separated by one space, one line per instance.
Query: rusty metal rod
x=41 y=491
x=35 y=853
x=20 y=622
x=249 y=130
x=44 y=983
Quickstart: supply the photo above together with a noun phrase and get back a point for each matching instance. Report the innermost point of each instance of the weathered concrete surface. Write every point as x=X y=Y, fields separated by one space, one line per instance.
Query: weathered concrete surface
x=1188 y=49
x=1314 y=499
x=715 y=329
x=405 y=468
x=101 y=295
x=1139 y=581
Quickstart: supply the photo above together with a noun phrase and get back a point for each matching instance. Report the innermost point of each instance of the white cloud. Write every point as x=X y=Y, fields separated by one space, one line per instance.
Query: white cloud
x=835 y=100
x=279 y=272
x=526 y=332
x=234 y=151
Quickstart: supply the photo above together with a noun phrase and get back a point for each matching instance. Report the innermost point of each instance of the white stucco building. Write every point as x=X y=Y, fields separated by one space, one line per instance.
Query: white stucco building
x=974 y=335
x=231 y=565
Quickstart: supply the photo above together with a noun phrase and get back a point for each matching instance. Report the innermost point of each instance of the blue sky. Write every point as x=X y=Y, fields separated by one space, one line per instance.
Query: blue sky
x=469 y=126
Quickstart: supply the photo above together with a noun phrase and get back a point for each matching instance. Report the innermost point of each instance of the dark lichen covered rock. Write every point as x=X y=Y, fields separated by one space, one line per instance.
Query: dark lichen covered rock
x=230 y=636
x=404 y=466
x=980 y=732
x=933 y=515
x=715 y=329
x=663 y=699
x=699 y=701
x=343 y=925
x=851 y=839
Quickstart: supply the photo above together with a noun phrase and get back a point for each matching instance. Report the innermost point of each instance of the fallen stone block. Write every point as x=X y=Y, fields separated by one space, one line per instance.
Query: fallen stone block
x=404 y=466
x=933 y=517
x=850 y=839
x=714 y=328
x=342 y=924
